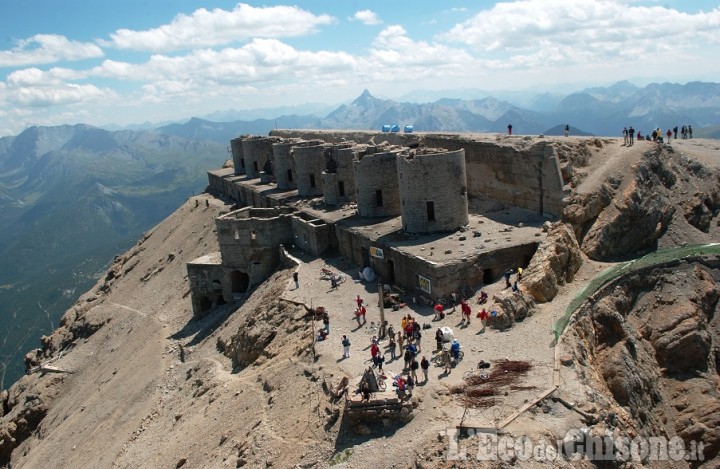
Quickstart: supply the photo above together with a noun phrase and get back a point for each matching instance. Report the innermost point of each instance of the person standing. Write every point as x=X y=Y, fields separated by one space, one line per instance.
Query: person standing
x=507 y=279
x=425 y=366
x=439 y=336
x=346 y=347
x=690 y=130
x=625 y=136
x=668 y=134
x=466 y=311
x=675 y=130
x=447 y=360
x=380 y=359
x=295 y=278
x=483 y=319
x=418 y=337
x=414 y=366
x=391 y=346
x=359 y=301
x=567 y=129
x=509 y=129
x=363 y=311
x=326 y=323
x=631 y=134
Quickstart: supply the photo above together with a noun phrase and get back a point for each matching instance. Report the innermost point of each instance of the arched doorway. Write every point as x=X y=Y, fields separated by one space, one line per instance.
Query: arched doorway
x=239 y=281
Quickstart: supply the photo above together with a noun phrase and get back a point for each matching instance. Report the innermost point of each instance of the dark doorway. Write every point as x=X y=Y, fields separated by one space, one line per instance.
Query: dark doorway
x=312 y=181
x=341 y=188
x=239 y=281
x=205 y=304
x=290 y=179
x=255 y=165
x=365 y=257
x=431 y=211
x=487 y=277
x=379 y=198
x=391 y=272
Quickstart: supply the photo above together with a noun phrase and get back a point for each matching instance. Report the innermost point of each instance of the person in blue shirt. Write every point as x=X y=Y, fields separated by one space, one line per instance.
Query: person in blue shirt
x=455 y=349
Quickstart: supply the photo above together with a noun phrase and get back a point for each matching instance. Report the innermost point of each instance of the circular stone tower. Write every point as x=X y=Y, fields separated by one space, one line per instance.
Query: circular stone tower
x=433 y=190
x=376 y=184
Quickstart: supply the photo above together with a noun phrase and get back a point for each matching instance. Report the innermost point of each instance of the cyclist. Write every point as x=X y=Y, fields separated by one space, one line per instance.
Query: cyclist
x=455 y=349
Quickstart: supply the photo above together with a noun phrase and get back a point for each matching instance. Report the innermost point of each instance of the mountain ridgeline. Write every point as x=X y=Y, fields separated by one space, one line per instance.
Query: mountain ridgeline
x=72 y=197
x=593 y=111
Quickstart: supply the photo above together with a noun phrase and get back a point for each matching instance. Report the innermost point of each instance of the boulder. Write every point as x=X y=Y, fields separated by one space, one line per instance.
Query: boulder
x=555 y=262
x=511 y=308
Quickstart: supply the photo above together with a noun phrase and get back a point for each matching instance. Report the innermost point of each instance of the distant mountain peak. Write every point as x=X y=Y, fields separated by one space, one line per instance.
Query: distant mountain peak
x=364 y=98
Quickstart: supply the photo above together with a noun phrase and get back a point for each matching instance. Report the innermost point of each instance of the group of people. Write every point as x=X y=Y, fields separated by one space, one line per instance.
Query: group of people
x=656 y=135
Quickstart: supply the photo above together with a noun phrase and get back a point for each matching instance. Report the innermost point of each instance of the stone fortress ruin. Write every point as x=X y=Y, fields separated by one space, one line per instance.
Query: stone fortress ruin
x=427 y=212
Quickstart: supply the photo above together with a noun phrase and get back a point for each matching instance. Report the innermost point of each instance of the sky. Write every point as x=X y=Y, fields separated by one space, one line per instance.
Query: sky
x=135 y=61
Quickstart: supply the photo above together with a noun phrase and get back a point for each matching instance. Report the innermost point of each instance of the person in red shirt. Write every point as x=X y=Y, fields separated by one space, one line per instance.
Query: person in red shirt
x=374 y=349
x=483 y=319
x=362 y=313
x=466 y=311
x=359 y=301
x=439 y=311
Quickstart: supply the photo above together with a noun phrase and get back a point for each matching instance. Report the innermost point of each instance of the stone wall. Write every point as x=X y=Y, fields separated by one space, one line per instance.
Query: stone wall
x=339 y=184
x=312 y=235
x=237 y=155
x=205 y=276
x=529 y=179
x=310 y=163
x=256 y=152
x=402 y=268
x=377 y=193
x=251 y=235
x=433 y=191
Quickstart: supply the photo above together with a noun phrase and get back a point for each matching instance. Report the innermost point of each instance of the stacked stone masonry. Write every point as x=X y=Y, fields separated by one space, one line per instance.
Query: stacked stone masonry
x=237 y=155
x=310 y=162
x=433 y=191
x=257 y=152
x=377 y=192
x=338 y=177
x=464 y=172
x=284 y=159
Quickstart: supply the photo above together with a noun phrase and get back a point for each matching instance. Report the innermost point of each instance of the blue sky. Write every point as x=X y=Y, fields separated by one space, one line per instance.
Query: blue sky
x=74 y=61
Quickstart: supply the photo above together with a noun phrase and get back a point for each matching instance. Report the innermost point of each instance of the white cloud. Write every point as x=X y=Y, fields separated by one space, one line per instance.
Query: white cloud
x=205 y=28
x=54 y=95
x=537 y=32
x=367 y=17
x=47 y=48
x=397 y=56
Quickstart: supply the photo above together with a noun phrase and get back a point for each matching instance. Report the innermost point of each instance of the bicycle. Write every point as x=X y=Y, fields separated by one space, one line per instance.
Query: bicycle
x=438 y=359
x=480 y=371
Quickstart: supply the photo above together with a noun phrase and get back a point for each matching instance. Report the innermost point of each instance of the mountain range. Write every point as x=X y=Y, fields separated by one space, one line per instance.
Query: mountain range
x=71 y=197
x=602 y=111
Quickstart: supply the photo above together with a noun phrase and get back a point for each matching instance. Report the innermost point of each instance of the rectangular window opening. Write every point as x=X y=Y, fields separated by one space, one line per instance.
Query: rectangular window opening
x=341 y=188
x=430 y=211
x=290 y=179
x=379 y=198
x=312 y=181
